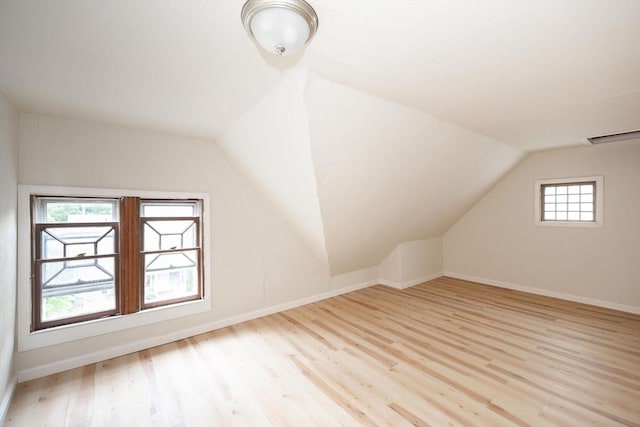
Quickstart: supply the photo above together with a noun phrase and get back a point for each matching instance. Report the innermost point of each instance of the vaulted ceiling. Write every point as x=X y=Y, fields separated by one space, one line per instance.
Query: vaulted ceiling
x=396 y=118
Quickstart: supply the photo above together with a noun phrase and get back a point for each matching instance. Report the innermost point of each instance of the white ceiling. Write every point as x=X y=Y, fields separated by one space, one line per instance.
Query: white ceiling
x=532 y=74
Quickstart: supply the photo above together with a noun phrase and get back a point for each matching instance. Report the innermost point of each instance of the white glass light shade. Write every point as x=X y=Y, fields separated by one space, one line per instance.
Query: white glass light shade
x=279 y=30
x=281 y=27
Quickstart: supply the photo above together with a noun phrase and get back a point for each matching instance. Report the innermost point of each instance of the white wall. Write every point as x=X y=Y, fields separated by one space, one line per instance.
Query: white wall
x=390 y=268
x=258 y=260
x=411 y=263
x=365 y=276
x=8 y=224
x=421 y=260
x=497 y=240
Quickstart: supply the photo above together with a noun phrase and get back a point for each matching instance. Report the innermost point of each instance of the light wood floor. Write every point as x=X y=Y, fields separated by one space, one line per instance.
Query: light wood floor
x=447 y=352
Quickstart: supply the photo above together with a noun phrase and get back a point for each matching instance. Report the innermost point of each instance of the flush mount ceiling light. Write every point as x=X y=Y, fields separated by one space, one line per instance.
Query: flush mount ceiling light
x=281 y=27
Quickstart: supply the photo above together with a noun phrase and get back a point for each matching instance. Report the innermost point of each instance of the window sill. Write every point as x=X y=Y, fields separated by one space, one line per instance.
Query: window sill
x=569 y=224
x=77 y=331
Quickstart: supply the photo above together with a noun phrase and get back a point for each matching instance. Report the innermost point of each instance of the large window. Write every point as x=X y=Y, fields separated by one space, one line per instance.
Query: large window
x=569 y=202
x=99 y=257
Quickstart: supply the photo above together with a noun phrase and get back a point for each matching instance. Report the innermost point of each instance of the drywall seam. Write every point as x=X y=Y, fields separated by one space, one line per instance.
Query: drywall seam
x=6 y=398
x=544 y=292
x=304 y=85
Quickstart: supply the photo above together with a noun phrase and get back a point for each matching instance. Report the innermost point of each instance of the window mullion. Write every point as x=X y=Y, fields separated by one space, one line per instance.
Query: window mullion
x=129 y=255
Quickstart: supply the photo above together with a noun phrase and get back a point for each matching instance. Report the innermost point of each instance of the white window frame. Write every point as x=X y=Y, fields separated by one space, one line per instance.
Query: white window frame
x=598 y=201
x=28 y=340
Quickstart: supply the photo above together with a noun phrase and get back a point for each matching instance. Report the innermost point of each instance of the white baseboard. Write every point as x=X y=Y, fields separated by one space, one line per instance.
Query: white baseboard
x=409 y=283
x=390 y=283
x=98 y=356
x=422 y=279
x=6 y=398
x=544 y=292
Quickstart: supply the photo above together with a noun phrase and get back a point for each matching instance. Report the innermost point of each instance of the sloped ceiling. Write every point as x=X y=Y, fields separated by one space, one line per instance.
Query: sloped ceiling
x=387 y=173
x=396 y=118
x=271 y=144
x=533 y=74
x=357 y=175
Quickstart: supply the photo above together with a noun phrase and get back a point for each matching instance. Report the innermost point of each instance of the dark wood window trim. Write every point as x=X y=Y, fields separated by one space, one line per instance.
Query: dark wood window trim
x=129 y=247
x=129 y=278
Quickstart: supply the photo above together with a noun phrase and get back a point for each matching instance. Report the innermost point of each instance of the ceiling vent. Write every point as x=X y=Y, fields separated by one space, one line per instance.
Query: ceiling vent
x=614 y=137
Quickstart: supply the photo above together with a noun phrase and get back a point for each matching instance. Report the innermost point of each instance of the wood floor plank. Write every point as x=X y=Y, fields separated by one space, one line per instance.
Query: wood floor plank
x=445 y=352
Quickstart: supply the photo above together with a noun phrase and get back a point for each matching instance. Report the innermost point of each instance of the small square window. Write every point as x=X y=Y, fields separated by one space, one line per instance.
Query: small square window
x=572 y=202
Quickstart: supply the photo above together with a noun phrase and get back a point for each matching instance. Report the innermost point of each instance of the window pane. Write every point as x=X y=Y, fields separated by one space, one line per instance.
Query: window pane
x=561 y=189
x=586 y=207
x=574 y=207
x=75 y=274
x=561 y=207
x=76 y=288
x=561 y=216
x=573 y=216
x=574 y=189
x=161 y=235
x=71 y=305
x=170 y=276
x=549 y=190
x=588 y=188
x=78 y=210
x=549 y=199
x=549 y=215
x=586 y=216
x=549 y=207
x=586 y=198
x=574 y=198
x=59 y=242
x=169 y=209
x=562 y=199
